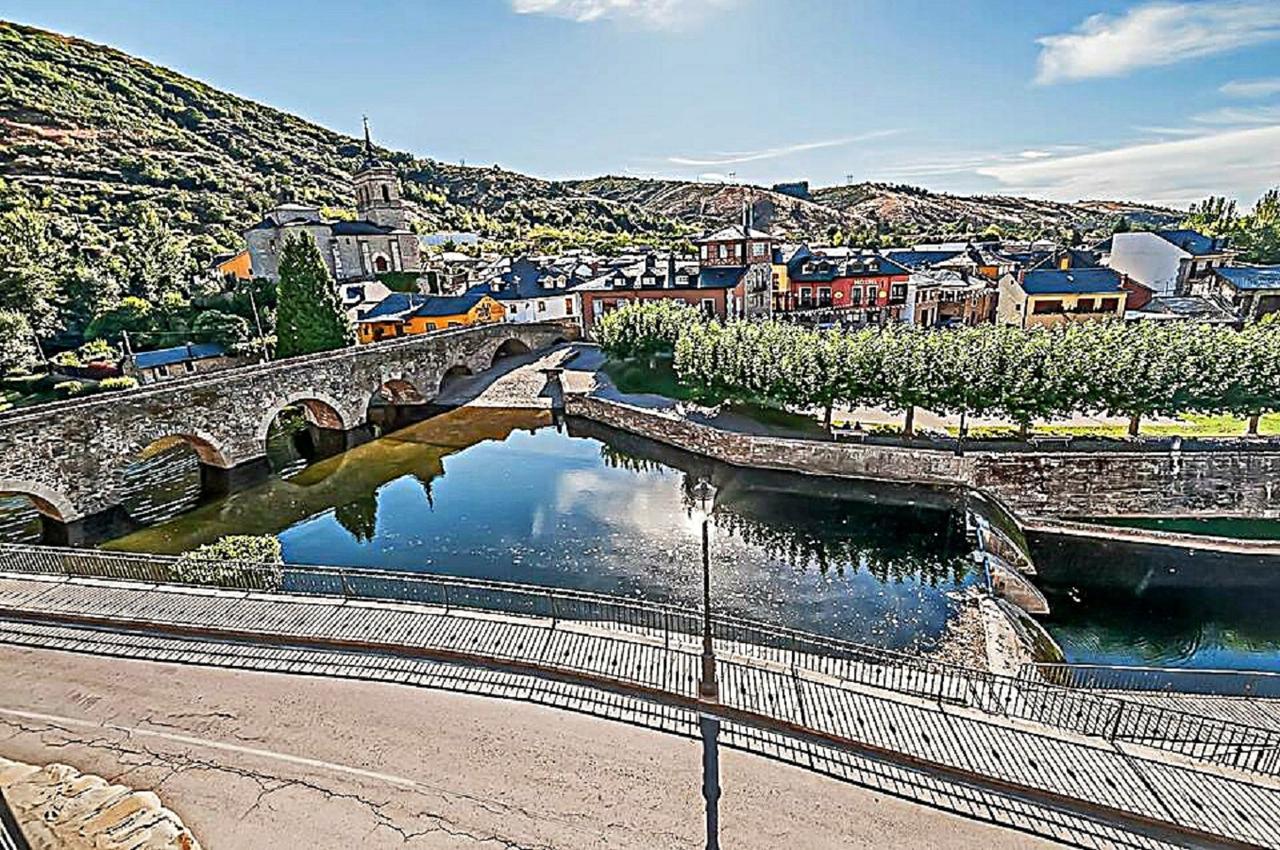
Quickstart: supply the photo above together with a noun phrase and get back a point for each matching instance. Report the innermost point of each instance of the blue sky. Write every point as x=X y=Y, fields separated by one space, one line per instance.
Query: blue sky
x=1161 y=101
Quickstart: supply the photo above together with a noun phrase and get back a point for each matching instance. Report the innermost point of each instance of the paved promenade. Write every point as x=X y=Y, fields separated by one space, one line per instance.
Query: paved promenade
x=1038 y=778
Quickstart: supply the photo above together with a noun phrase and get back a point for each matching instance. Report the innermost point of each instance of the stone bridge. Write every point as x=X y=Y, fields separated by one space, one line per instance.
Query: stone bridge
x=70 y=457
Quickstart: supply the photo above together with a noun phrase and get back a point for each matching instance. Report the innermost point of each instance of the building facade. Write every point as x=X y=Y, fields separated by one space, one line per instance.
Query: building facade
x=1048 y=297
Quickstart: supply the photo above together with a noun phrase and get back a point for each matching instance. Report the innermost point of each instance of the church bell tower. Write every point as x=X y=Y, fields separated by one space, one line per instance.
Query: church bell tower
x=378 y=190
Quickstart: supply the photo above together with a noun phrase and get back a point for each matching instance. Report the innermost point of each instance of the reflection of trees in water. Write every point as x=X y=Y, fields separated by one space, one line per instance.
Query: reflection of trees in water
x=19 y=520
x=826 y=547
x=359 y=517
x=618 y=459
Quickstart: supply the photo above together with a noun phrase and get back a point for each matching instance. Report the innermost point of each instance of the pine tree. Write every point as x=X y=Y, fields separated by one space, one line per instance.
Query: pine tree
x=309 y=317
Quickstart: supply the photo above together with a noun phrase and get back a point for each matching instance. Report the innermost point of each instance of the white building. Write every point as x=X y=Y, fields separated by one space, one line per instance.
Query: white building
x=1168 y=262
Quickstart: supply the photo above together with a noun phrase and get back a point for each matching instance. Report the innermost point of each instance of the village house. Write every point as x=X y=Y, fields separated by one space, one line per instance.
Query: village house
x=852 y=286
x=406 y=314
x=150 y=367
x=741 y=246
x=1047 y=297
x=1251 y=291
x=717 y=291
x=377 y=242
x=1167 y=262
x=530 y=291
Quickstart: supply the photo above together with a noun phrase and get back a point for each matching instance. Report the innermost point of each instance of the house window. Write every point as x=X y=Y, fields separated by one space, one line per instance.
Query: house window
x=162 y=371
x=512 y=309
x=757 y=249
x=855 y=296
x=1108 y=305
x=724 y=251
x=542 y=306
x=1085 y=305
x=824 y=296
x=709 y=306
x=386 y=194
x=705 y=252
x=455 y=324
x=568 y=306
x=737 y=250
x=806 y=296
x=1045 y=307
x=190 y=366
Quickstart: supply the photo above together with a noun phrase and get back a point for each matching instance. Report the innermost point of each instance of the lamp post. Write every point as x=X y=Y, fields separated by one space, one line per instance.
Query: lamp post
x=708 y=691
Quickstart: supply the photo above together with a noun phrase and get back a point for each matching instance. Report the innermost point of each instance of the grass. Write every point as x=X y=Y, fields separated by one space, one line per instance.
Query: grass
x=1190 y=425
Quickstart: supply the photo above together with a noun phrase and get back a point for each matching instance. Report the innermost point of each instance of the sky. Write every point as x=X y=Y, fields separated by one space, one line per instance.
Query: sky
x=1165 y=101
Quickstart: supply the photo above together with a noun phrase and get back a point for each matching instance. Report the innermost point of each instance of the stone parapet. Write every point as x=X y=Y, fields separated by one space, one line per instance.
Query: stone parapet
x=59 y=808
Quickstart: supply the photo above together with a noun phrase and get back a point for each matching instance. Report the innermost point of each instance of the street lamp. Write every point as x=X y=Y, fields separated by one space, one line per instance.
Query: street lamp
x=708 y=692
x=704 y=495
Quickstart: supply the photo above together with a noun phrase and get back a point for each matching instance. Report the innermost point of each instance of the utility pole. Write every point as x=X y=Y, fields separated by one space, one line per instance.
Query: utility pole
x=257 y=321
x=128 y=349
x=40 y=351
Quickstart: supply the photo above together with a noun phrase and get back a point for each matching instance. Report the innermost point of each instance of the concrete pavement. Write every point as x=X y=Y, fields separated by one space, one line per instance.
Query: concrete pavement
x=265 y=761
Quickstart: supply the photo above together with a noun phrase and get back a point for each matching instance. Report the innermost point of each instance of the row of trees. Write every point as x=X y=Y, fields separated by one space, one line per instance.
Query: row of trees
x=1133 y=370
x=1255 y=233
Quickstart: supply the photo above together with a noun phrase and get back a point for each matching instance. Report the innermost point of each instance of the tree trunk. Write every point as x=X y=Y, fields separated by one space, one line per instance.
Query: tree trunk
x=826 y=417
x=909 y=426
x=1024 y=429
x=1134 y=422
x=1253 y=424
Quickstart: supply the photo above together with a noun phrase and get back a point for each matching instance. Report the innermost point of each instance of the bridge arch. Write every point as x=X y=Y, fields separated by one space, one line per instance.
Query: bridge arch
x=320 y=409
x=510 y=347
x=399 y=391
x=453 y=374
x=47 y=501
x=208 y=448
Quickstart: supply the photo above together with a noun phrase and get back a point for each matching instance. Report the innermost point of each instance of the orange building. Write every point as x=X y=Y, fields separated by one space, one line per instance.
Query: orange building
x=401 y=314
x=233 y=265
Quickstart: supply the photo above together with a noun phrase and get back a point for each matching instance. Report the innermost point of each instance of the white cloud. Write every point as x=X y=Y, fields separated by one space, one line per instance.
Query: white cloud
x=656 y=14
x=1160 y=33
x=1251 y=88
x=734 y=157
x=1241 y=115
x=1032 y=154
x=1237 y=163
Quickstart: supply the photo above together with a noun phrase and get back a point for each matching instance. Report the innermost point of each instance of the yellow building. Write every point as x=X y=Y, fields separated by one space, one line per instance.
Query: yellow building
x=1047 y=297
x=401 y=314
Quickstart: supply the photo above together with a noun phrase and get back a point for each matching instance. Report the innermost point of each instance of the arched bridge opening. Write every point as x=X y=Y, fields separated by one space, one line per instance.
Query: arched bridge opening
x=169 y=476
x=28 y=518
x=395 y=404
x=301 y=431
x=453 y=376
x=510 y=348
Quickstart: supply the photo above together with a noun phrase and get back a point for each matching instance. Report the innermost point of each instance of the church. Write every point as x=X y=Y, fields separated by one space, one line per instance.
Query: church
x=377 y=242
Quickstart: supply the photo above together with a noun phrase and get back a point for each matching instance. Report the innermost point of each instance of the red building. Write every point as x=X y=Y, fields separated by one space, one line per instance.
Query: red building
x=850 y=286
x=735 y=245
x=718 y=292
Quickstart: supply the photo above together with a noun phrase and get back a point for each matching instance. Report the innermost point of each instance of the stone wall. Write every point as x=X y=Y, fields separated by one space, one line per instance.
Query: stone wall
x=1069 y=483
x=71 y=456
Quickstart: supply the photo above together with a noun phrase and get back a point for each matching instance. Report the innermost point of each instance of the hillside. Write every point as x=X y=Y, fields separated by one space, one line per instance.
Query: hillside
x=90 y=134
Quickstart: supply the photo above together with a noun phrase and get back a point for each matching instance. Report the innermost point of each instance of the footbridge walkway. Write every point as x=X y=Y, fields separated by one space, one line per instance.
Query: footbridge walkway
x=1081 y=767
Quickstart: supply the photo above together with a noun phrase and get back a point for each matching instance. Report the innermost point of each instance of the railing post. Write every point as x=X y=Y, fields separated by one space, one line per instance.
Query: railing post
x=1115 y=724
x=551 y=597
x=445 y=588
x=346 y=589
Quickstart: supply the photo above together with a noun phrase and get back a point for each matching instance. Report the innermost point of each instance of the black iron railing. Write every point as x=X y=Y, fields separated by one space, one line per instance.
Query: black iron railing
x=1027 y=697
x=11 y=837
x=1176 y=680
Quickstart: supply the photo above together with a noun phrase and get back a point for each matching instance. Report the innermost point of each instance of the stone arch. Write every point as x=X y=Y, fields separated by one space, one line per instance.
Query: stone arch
x=510 y=347
x=320 y=409
x=47 y=501
x=400 y=391
x=207 y=448
x=454 y=374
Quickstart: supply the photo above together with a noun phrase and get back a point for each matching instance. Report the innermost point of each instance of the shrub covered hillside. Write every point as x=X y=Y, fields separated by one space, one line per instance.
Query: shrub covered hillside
x=88 y=132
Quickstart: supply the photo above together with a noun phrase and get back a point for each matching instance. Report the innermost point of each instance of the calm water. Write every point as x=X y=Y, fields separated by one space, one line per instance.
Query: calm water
x=504 y=495
x=1239 y=528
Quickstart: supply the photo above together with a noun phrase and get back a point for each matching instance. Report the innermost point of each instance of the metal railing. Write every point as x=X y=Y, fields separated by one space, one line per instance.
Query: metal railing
x=11 y=837
x=1026 y=697
x=1180 y=680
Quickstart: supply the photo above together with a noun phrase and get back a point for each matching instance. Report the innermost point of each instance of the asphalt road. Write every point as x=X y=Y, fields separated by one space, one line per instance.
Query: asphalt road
x=266 y=761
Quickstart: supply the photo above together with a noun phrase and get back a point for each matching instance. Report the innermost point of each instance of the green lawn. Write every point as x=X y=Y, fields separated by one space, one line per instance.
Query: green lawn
x=1190 y=425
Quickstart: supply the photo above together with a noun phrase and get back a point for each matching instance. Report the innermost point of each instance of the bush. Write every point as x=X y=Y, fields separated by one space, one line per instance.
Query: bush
x=640 y=329
x=123 y=382
x=71 y=389
x=237 y=560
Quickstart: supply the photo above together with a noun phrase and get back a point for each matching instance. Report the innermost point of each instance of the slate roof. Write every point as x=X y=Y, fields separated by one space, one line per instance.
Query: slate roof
x=1194 y=243
x=177 y=354
x=448 y=305
x=842 y=268
x=400 y=305
x=1196 y=307
x=720 y=277
x=733 y=231
x=1071 y=281
x=921 y=259
x=359 y=228
x=392 y=306
x=1252 y=277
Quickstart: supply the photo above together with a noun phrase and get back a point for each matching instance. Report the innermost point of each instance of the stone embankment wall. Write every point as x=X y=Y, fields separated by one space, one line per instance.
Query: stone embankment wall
x=1067 y=483
x=59 y=808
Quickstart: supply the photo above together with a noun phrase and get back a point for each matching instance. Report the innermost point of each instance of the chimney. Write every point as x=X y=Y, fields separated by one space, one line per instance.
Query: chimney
x=671 y=269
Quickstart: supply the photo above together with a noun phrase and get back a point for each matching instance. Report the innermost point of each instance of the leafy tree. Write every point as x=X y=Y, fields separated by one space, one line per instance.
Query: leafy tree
x=153 y=260
x=132 y=315
x=17 y=343
x=309 y=316
x=359 y=517
x=225 y=329
x=29 y=256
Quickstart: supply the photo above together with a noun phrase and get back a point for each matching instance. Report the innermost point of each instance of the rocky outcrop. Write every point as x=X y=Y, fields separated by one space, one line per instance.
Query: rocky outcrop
x=59 y=808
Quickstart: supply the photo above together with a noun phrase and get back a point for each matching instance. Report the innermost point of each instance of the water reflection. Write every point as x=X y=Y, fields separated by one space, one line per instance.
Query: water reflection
x=501 y=494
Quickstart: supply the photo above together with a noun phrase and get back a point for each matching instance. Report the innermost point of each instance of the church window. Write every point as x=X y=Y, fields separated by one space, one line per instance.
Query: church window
x=380 y=263
x=386 y=194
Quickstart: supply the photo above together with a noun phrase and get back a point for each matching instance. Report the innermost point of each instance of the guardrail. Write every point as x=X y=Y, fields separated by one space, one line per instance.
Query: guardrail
x=1102 y=716
x=1183 y=680
x=11 y=837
